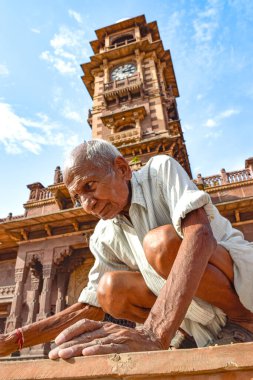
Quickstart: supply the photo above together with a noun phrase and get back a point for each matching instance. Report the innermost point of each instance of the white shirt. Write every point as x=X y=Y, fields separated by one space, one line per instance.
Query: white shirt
x=162 y=193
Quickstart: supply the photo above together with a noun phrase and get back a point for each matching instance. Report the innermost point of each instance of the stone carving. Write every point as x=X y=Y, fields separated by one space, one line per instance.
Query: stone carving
x=24 y=234
x=48 y=230
x=60 y=253
x=33 y=256
x=19 y=274
x=7 y=291
x=35 y=280
x=14 y=320
x=48 y=271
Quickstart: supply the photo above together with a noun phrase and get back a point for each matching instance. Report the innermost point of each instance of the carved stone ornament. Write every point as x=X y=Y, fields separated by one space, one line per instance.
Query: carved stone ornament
x=33 y=256
x=60 y=253
x=19 y=274
x=35 y=282
x=48 y=271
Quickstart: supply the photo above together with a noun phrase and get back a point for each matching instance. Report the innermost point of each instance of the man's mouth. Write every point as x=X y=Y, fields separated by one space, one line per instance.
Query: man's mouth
x=103 y=211
x=108 y=212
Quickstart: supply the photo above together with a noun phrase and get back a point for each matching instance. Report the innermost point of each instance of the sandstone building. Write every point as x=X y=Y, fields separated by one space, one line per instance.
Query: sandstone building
x=44 y=254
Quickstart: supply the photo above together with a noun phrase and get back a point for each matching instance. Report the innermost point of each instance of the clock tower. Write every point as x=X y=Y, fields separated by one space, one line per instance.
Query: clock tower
x=132 y=83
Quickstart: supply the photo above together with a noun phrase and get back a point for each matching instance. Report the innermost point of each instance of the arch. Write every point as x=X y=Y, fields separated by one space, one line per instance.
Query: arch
x=124 y=128
x=122 y=39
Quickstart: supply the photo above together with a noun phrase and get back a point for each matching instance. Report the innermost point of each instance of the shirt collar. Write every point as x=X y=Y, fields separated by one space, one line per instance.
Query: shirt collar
x=137 y=192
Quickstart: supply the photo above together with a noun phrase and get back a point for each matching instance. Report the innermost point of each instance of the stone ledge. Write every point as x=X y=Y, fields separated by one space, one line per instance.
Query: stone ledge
x=225 y=362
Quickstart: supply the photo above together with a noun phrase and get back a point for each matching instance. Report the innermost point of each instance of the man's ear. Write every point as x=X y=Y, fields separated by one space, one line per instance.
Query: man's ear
x=122 y=167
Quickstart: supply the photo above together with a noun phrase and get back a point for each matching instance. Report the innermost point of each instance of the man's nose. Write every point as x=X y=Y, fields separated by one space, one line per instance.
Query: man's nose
x=88 y=203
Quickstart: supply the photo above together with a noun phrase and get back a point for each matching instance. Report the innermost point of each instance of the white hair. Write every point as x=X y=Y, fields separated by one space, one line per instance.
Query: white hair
x=97 y=152
x=100 y=152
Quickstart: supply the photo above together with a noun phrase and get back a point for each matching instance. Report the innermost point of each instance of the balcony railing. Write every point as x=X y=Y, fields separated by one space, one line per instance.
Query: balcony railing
x=123 y=43
x=131 y=81
x=224 y=178
x=125 y=137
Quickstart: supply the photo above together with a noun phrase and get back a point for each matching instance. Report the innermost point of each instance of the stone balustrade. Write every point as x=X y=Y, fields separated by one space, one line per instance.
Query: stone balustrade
x=7 y=292
x=133 y=80
x=45 y=194
x=224 y=178
x=125 y=137
x=123 y=43
x=12 y=217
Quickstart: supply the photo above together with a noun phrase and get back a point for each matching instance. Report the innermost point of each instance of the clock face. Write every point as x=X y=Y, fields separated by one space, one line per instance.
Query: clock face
x=123 y=71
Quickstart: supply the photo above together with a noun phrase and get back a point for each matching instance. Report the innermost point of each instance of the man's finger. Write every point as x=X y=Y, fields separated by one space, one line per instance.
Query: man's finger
x=69 y=352
x=86 y=338
x=80 y=327
x=104 y=349
x=53 y=354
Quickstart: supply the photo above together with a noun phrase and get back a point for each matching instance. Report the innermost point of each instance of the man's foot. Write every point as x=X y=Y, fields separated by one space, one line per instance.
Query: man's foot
x=182 y=340
x=232 y=333
x=121 y=322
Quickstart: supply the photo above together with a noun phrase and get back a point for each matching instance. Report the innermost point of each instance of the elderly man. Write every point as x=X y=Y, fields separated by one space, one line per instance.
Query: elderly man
x=164 y=256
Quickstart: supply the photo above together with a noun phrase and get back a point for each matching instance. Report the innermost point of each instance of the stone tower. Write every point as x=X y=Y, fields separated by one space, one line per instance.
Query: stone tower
x=132 y=83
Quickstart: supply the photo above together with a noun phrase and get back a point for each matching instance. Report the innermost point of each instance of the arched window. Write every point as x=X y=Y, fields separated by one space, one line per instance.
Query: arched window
x=125 y=128
x=122 y=39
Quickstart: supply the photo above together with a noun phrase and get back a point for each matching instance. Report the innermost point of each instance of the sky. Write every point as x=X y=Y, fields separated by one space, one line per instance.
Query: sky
x=44 y=104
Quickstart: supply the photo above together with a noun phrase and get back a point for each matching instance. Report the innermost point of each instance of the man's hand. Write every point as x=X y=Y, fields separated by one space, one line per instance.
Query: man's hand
x=88 y=337
x=8 y=343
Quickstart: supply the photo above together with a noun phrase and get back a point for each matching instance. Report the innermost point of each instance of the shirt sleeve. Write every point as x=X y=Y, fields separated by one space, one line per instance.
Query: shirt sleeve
x=106 y=260
x=179 y=192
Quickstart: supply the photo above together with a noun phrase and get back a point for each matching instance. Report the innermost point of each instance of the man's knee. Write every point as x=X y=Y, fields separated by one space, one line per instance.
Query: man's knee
x=111 y=294
x=161 y=246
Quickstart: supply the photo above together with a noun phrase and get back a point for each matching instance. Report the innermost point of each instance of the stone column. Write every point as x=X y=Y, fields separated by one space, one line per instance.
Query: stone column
x=138 y=57
x=45 y=297
x=62 y=283
x=161 y=67
x=106 y=71
x=33 y=303
x=137 y=123
x=45 y=307
x=14 y=320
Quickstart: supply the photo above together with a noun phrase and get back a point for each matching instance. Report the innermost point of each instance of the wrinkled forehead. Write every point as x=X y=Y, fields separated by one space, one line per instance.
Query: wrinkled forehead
x=76 y=175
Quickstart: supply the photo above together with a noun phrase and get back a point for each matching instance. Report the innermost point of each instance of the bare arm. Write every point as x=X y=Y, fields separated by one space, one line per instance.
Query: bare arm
x=47 y=329
x=174 y=299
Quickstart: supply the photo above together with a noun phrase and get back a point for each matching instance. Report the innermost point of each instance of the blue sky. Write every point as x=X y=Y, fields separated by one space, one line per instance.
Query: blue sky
x=44 y=105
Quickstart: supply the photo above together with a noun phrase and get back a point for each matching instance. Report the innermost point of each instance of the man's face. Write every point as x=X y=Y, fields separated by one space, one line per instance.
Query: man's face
x=101 y=193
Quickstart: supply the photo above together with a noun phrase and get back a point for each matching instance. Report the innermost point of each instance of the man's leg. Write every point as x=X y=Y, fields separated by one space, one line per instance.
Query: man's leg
x=125 y=295
x=216 y=287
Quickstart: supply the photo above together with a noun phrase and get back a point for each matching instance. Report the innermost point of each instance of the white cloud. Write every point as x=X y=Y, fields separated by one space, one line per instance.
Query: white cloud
x=228 y=113
x=216 y=121
x=35 y=30
x=199 y=96
x=75 y=15
x=210 y=123
x=67 y=50
x=70 y=114
x=187 y=127
x=19 y=134
x=214 y=134
x=206 y=22
x=4 y=71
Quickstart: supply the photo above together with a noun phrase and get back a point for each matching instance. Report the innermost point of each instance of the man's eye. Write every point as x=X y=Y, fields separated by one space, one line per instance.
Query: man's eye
x=89 y=186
